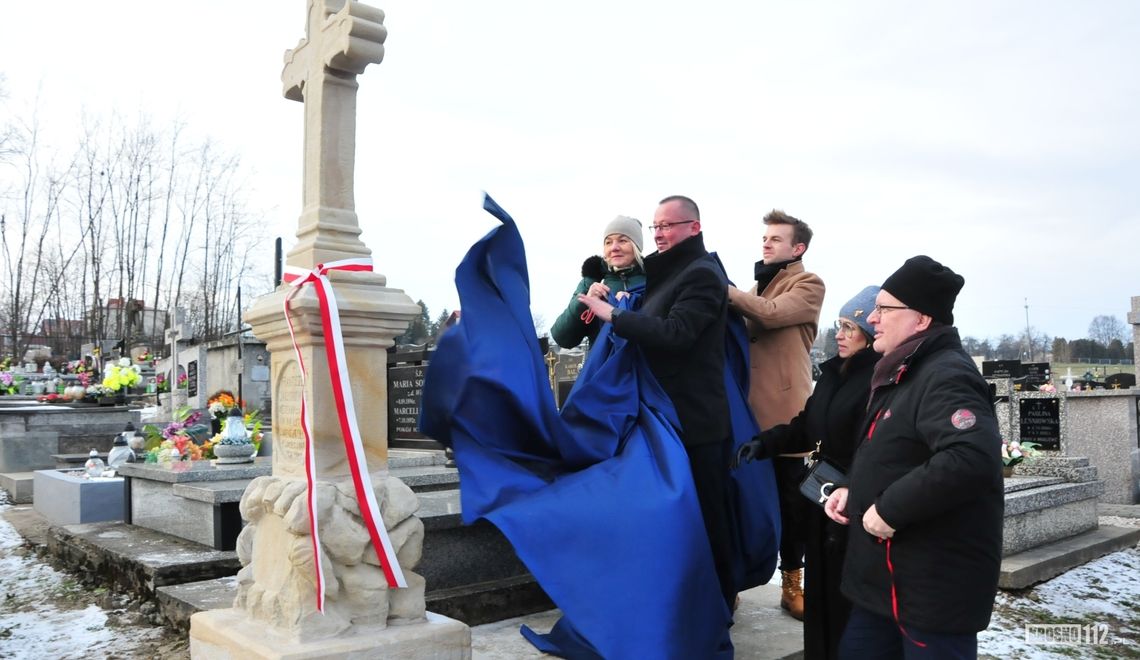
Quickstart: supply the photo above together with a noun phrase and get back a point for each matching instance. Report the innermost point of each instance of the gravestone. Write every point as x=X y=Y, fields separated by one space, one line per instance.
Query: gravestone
x=178 y=336
x=1040 y=421
x=1036 y=373
x=1001 y=369
x=1120 y=381
x=406 y=371
x=566 y=372
x=276 y=611
x=1134 y=319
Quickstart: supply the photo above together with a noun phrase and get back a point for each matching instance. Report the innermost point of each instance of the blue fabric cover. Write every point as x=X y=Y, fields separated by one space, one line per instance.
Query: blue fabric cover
x=597 y=500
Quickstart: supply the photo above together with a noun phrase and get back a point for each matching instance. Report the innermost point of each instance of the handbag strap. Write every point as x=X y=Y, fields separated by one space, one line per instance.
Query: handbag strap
x=816 y=454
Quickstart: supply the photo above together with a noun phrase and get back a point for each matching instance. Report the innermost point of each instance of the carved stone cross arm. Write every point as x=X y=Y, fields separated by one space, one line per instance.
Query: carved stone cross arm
x=343 y=35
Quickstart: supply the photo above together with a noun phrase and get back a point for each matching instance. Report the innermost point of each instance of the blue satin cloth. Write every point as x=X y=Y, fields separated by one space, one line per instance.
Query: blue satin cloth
x=598 y=500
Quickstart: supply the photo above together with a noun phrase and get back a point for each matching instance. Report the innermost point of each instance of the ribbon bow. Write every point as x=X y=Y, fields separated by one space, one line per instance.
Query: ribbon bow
x=346 y=413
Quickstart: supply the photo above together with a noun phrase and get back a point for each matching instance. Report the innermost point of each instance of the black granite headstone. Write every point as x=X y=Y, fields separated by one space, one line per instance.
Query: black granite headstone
x=1001 y=369
x=192 y=379
x=1121 y=381
x=566 y=372
x=1041 y=422
x=1036 y=373
x=405 y=393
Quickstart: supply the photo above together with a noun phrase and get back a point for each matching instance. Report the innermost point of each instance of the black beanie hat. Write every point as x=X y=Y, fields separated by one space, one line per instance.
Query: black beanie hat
x=926 y=286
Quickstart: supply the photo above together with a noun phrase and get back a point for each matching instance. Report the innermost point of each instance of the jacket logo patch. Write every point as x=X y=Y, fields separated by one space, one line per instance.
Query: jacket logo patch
x=963 y=419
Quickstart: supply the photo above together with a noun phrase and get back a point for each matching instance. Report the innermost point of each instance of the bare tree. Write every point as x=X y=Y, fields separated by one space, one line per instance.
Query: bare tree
x=1105 y=328
x=126 y=219
x=25 y=247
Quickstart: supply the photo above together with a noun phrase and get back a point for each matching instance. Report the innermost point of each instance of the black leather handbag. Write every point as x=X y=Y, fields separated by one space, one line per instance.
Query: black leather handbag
x=822 y=478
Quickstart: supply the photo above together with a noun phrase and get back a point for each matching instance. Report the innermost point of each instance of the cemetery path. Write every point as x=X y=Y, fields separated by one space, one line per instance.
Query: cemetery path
x=49 y=613
x=45 y=612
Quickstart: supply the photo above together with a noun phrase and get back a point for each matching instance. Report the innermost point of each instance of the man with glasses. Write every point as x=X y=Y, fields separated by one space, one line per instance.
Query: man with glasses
x=782 y=314
x=925 y=492
x=680 y=328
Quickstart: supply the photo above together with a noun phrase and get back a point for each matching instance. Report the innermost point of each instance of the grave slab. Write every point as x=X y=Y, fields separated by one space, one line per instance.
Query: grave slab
x=66 y=497
x=28 y=452
x=1025 y=569
x=19 y=486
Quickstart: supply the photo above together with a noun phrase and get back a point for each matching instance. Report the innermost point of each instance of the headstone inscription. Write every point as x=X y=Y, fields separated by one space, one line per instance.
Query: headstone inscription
x=1036 y=373
x=1001 y=369
x=566 y=372
x=192 y=378
x=1040 y=421
x=405 y=392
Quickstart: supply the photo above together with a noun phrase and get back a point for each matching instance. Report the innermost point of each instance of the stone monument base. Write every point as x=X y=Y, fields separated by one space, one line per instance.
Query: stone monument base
x=229 y=634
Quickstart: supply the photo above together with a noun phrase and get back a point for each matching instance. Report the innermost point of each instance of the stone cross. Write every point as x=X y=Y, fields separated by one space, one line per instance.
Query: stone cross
x=342 y=38
x=179 y=331
x=276 y=601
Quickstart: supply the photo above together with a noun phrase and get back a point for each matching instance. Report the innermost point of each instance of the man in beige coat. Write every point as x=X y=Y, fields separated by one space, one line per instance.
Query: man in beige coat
x=782 y=315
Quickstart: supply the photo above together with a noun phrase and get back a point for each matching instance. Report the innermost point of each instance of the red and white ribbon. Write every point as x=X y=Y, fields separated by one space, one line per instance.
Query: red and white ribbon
x=346 y=413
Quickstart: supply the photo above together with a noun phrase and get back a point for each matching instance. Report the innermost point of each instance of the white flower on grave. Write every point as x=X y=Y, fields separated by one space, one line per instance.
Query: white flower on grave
x=1015 y=452
x=124 y=362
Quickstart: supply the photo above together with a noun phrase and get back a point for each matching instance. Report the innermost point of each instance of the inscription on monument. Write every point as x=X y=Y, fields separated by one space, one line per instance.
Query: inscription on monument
x=1041 y=422
x=1001 y=369
x=1036 y=373
x=288 y=438
x=405 y=391
x=192 y=378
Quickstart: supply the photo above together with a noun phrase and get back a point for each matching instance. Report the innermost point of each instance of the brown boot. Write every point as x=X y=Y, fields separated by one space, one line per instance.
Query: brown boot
x=792 y=597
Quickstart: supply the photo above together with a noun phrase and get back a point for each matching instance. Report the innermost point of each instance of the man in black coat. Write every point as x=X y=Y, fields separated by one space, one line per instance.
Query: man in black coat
x=680 y=328
x=925 y=490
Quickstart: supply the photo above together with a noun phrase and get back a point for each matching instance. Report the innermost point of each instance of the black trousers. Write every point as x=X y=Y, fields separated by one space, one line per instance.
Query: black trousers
x=709 y=465
x=873 y=637
x=793 y=511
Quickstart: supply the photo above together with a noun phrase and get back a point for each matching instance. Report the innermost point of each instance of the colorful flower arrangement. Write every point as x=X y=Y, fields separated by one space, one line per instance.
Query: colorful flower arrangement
x=191 y=438
x=1015 y=452
x=220 y=403
x=183 y=382
x=122 y=374
x=9 y=384
x=144 y=357
x=182 y=434
x=161 y=383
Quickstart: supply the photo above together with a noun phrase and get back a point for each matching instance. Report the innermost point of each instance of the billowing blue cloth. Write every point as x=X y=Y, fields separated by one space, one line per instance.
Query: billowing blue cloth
x=598 y=500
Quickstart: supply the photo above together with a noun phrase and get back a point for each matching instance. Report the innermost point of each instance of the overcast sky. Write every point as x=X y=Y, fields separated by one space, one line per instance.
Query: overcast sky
x=1002 y=138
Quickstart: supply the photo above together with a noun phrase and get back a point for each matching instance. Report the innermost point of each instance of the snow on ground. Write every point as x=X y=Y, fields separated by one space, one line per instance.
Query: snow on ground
x=1092 y=611
x=45 y=613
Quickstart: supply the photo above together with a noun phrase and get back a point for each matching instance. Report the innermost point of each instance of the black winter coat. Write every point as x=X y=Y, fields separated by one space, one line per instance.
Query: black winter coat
x=680 y=328
x=930 y=462
x=833 y=416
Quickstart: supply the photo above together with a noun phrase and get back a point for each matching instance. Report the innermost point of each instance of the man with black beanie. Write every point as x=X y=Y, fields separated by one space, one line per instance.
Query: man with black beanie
x=925 y=495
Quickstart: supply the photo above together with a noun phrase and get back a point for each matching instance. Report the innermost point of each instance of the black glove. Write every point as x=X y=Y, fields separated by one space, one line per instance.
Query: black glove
x=594 y=268
x=749 y=451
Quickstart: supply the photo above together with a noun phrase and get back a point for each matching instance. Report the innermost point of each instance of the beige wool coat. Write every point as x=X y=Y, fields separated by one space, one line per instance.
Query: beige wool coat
x=782 y=323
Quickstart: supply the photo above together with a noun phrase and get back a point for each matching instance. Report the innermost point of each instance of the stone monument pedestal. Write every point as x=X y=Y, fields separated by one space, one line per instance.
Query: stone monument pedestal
x=225 y=634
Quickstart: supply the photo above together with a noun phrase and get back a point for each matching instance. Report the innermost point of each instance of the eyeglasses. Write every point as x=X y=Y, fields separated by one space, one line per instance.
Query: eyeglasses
x=667 y=225
x=882 y=309
x=844 y=328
